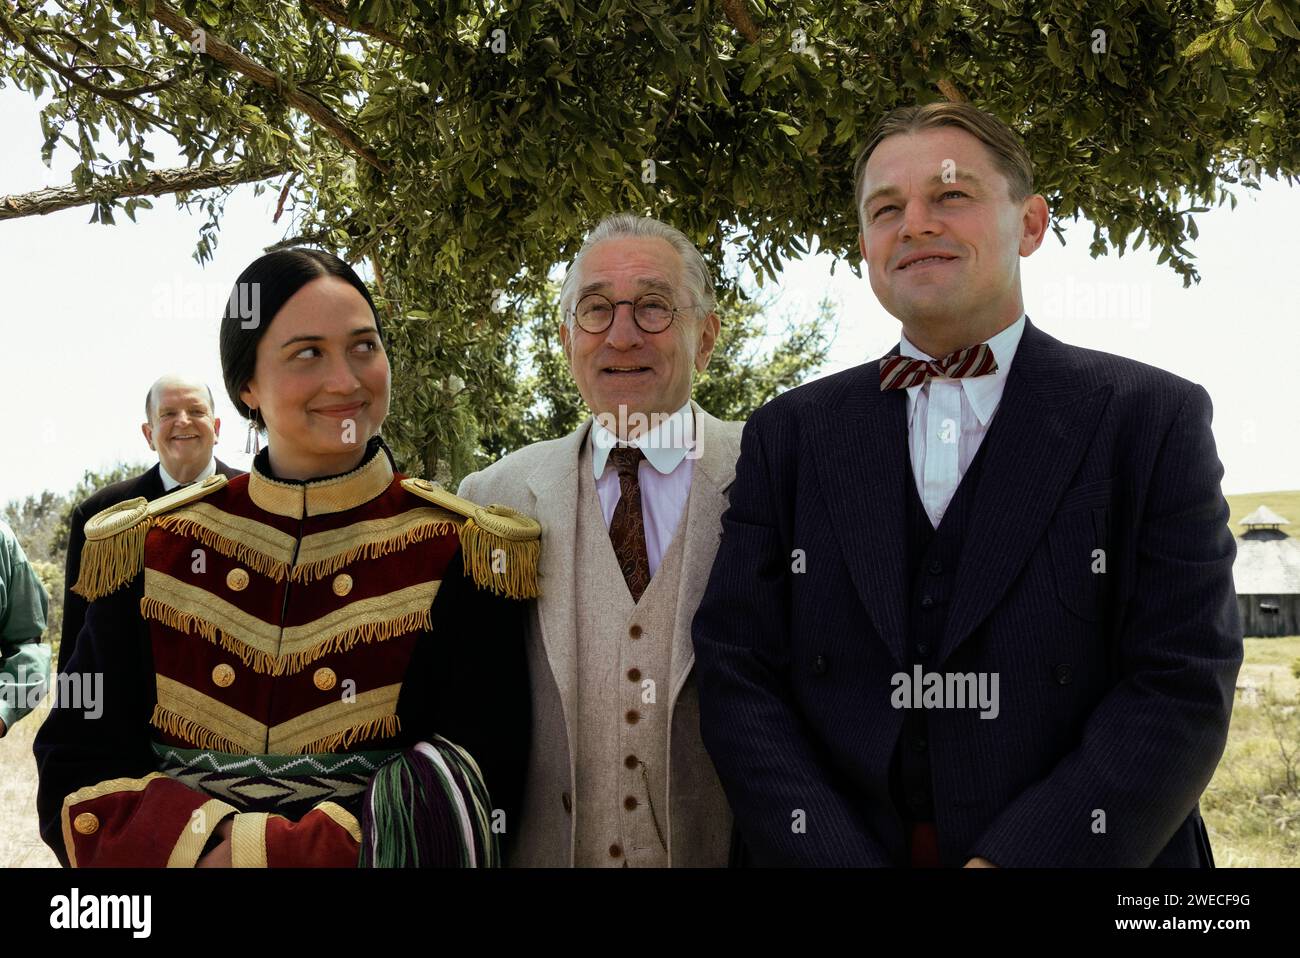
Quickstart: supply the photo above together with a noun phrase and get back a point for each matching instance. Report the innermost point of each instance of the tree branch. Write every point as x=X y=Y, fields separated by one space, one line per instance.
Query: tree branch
x=231 y=58
x=284 y=195
x=116 y=94
x=337 y=14
x=950 y=91
x=159 y=183
x=311 y=239
x=738 y=14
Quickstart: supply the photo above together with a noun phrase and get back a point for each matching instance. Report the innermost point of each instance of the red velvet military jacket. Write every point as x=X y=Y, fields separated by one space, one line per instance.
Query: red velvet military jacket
x=263 y=644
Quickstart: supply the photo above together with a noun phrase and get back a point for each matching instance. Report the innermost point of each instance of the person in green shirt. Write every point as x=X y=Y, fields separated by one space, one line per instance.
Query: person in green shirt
x=24 y=659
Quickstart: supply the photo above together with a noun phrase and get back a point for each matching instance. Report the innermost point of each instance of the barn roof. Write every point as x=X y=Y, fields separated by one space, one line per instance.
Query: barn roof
x=1264 y=516
x=1267 y=566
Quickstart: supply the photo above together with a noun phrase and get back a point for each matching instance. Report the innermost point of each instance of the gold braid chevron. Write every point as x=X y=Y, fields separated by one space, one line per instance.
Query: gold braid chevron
x=189 y=714
x=263 y=646
x=270 y=552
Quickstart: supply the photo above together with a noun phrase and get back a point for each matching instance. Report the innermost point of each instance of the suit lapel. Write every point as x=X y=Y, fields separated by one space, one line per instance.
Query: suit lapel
x=860 y=451
x=714 y=471
x=555 y=486
x=1043 y=426
x=151 y=484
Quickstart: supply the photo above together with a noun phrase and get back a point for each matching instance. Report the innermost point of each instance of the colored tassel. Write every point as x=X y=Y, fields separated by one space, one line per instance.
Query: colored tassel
x=428 y=807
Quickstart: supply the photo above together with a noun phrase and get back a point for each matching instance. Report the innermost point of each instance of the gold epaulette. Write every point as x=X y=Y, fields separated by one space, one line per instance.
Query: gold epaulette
x=114 y=550
x=500 y=546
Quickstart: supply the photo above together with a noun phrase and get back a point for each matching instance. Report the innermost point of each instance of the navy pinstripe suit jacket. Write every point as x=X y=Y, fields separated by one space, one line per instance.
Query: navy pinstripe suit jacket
x=1115 y=688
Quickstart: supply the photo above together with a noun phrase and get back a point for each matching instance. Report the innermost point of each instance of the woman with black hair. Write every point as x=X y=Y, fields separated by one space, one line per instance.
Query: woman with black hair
x=319 y=663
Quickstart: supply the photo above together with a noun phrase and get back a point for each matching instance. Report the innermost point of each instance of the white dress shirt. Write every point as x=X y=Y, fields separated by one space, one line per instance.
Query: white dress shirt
x=948 y=418
x=664 y=476
x=169 y=483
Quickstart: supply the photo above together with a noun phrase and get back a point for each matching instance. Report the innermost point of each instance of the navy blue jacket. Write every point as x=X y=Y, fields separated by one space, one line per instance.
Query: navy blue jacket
x=1115 y=688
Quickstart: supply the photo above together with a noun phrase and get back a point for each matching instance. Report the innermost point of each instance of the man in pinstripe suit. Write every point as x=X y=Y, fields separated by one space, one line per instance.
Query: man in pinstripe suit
x=973 y=602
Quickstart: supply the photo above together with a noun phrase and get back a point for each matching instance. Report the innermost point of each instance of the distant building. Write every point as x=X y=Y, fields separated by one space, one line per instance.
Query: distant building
x=1267 y=576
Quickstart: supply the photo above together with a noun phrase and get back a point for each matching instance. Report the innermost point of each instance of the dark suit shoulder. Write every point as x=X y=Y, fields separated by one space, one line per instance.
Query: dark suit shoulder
x=146 y=484
x=824 y=392
x=1130 y=379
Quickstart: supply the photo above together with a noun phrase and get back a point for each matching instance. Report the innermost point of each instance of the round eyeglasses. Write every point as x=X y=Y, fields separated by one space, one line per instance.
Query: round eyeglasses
x=652 y=313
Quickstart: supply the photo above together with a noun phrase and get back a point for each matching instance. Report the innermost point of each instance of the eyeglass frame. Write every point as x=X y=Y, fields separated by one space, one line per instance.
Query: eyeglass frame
x=615 y=304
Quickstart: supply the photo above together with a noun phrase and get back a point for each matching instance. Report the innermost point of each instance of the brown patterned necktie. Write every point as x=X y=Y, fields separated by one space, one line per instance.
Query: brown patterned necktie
x=900 y=372
x=626 y=527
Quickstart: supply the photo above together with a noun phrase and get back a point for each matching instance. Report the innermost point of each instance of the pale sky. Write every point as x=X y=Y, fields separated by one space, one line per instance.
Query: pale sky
x=96 y=313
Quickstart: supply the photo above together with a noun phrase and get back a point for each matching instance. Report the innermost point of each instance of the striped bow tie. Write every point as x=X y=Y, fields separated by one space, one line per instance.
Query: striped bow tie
x=899 y=372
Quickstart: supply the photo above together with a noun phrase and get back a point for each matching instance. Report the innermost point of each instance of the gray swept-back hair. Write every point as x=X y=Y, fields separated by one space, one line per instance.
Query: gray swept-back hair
x=695 y=271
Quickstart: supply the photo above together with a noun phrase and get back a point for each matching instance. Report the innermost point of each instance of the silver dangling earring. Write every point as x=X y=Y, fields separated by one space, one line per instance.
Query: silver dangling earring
x=253 y=443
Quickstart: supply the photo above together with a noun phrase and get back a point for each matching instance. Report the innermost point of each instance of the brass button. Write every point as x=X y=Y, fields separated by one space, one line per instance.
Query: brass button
x=86 y=823
x=237 y=579
x=630 y=803
x=324 y=679
x=615 y=851
x=630 y=761
x=633 y=716
x=634 y=675
x=342 y=584
x=635 y=631
x=223 y=676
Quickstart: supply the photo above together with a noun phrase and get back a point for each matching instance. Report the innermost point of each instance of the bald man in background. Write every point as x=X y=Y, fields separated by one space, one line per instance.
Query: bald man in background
x=182 y=427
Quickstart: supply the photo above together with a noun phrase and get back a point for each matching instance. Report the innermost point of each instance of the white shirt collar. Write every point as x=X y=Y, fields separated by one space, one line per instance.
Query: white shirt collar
x=169 y=483
x=983 y=392
x=665 y=445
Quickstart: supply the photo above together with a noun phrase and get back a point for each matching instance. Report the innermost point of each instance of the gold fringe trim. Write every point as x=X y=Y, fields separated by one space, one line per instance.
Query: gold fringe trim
x=256 y=560
x=277 y=570
x=368 y=632
x=108 y=564
x=178 y=725
x=384 y=727
x=370 y=550
x=518 y=579
x=268 y=664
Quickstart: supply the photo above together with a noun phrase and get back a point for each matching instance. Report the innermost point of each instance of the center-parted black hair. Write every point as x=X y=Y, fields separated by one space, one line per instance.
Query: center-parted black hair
x=259 y=293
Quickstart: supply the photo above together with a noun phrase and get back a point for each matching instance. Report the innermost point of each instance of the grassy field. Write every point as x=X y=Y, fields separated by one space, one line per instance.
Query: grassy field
x=1285 y=504
x=20 y=840
x=1252 y=807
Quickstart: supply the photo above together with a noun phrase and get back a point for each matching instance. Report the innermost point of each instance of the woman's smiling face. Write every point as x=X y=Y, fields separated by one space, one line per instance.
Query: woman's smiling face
x=321 y=382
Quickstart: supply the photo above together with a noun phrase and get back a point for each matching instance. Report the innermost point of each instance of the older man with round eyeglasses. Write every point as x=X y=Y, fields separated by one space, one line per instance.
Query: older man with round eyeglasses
x=630 y=505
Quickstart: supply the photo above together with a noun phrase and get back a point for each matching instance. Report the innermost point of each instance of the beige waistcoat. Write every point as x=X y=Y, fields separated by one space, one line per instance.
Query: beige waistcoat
x=624 y=652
